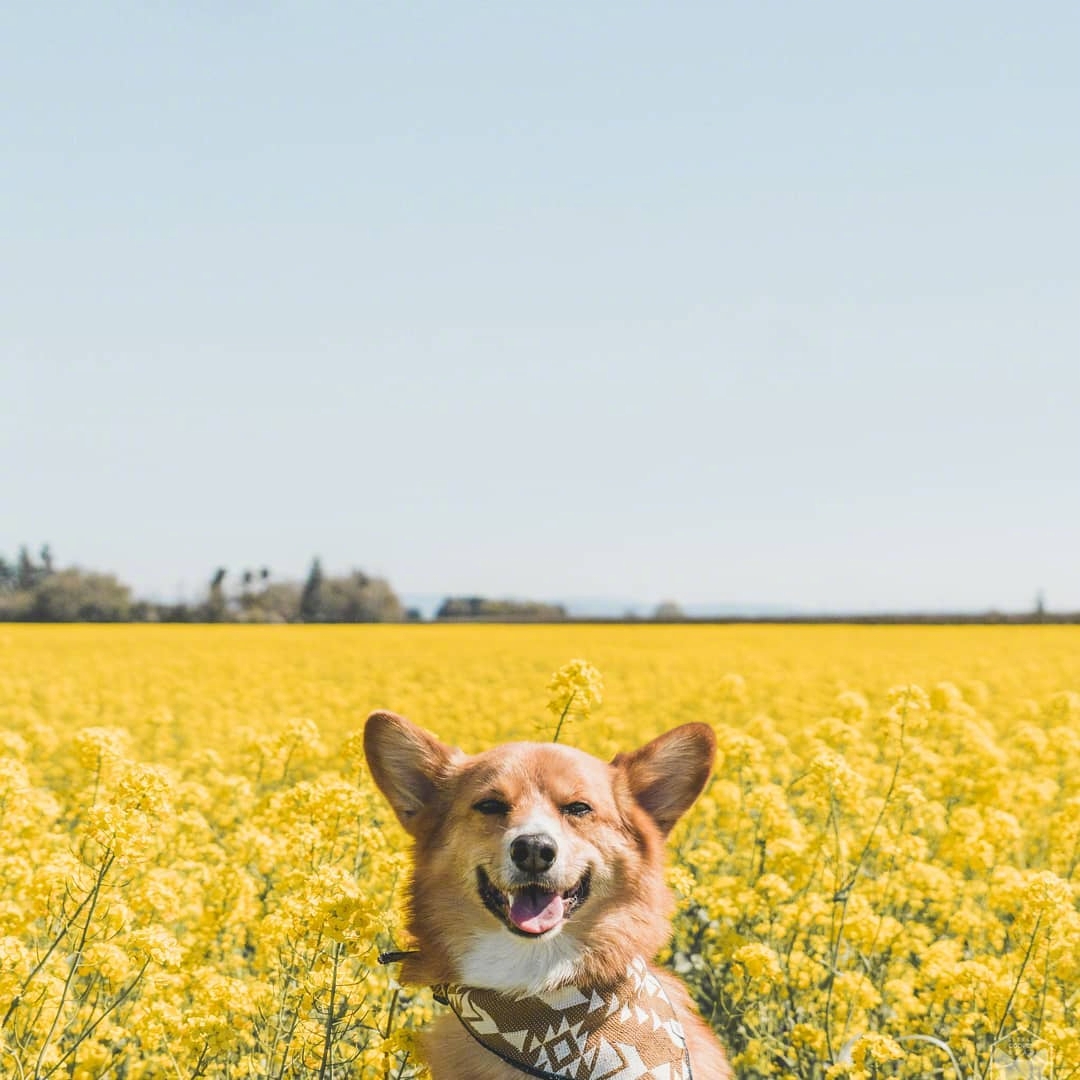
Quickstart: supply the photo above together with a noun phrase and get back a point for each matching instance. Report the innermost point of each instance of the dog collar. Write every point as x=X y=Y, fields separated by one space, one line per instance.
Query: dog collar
x=628 y=1032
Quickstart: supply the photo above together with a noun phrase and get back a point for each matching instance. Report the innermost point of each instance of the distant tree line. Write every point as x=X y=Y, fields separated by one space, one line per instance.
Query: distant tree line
x=34 y=590
x=480 y=608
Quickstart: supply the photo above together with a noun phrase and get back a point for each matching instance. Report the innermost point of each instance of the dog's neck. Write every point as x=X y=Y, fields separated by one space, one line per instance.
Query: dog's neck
x=512 y=964
x=628 y=1029
x=498 y=960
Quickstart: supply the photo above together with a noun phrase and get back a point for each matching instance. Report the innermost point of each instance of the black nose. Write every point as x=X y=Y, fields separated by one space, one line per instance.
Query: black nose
x=534 y=852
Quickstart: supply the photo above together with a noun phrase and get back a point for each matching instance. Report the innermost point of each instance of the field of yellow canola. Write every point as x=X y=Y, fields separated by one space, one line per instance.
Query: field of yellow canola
x=197 y=875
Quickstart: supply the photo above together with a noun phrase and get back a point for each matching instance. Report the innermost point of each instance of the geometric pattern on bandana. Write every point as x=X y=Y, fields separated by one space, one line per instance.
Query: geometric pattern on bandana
x=629 y=1032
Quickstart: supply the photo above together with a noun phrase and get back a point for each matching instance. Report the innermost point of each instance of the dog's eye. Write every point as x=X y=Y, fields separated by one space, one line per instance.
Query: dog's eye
x=492 y=806
x=577 y=809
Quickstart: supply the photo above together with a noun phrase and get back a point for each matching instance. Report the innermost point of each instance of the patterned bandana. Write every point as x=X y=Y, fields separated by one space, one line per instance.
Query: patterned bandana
x=630 y=1032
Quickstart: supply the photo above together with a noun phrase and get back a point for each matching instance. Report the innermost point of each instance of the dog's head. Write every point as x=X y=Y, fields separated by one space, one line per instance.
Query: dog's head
x=535 y=864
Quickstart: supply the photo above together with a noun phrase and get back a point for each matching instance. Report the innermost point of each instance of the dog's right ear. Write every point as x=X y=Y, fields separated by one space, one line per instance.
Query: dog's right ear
x=406 y=762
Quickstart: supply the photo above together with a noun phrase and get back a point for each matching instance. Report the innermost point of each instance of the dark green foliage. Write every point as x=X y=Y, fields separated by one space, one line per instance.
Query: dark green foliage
x=311 y=597
x=480 y=608
x=217 y=606
x=80 y=596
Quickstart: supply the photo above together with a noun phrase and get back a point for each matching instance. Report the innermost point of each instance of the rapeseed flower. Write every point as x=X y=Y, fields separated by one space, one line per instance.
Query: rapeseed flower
x=574 y=691
x=197 y=874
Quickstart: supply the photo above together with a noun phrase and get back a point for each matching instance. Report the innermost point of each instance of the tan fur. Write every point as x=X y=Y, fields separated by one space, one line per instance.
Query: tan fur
x=618 y=847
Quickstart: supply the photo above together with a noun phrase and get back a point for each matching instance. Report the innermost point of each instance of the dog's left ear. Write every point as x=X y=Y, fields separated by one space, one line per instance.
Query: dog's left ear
x=668 y=774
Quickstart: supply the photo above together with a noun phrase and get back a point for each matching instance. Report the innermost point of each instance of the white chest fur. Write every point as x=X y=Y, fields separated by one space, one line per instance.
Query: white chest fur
x=500 y=960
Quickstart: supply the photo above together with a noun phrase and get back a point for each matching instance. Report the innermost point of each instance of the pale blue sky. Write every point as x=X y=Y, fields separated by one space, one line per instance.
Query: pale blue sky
x=765 y=303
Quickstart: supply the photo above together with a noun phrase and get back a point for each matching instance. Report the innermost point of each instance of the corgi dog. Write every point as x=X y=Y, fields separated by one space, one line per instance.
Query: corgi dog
x=537 y=903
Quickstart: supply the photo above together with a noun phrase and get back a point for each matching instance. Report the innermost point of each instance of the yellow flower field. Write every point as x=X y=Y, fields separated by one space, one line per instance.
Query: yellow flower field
x=197 y=875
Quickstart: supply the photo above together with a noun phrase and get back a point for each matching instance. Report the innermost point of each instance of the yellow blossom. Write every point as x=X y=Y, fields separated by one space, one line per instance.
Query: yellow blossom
x=574 y=691
x=197 y=873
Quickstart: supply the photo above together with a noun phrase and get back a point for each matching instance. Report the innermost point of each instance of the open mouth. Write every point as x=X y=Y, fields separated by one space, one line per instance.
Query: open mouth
x=532 y=909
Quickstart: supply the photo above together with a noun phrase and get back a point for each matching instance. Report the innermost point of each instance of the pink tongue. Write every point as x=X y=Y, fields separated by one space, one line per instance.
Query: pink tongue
x=536 y=911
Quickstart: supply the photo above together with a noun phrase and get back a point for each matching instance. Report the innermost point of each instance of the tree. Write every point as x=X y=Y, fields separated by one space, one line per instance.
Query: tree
x=74 y=595
x=480 y=607
x=667 y=610
x=277 y=603
x=311 y=597
x=359 y=598
x=216 y=604
x=26 y=576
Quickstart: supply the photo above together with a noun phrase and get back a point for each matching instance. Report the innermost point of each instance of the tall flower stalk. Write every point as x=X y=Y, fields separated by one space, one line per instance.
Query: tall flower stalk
x=573 y=692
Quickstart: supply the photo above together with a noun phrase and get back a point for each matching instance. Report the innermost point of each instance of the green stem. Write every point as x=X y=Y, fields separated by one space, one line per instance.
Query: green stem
x=44 y=960
x=389 y=1027
x=120 y=999
x=565 y=712
x=836 y=933
x=1012 y=995
x=328 y=1032
x=95 y=894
